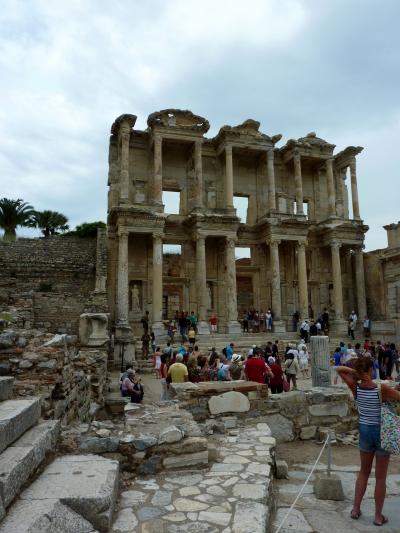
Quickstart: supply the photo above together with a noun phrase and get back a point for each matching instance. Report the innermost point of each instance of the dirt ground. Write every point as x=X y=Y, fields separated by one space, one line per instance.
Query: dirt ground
x=342 y=455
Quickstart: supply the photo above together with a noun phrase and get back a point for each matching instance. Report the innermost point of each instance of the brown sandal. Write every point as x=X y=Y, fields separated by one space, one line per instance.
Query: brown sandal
x=384 y=521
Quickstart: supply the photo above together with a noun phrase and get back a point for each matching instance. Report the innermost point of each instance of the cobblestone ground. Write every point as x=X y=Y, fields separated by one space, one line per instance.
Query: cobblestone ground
x=231 y=496
x=313 y=515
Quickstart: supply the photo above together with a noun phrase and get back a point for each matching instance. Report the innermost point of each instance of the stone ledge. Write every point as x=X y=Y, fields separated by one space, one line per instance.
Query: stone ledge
x=16 y=416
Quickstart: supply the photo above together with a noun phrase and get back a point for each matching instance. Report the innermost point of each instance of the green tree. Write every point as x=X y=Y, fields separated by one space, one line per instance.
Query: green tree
x=87 y=229
x=14 y=213
x=50 y=222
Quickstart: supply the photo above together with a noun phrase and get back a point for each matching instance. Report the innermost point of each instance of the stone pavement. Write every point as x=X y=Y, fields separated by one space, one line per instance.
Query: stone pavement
x=313 y=515
x=230 y=496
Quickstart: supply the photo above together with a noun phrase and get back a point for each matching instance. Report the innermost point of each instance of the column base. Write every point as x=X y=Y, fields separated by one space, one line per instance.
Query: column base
x=158 y=329
x=279 y=326
x=234 y=327
x=203 y=328
x=338 y=326
x=124 y=345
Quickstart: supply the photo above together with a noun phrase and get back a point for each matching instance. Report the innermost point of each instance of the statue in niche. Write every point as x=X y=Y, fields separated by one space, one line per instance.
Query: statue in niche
x=209 y=297
x=136 y=308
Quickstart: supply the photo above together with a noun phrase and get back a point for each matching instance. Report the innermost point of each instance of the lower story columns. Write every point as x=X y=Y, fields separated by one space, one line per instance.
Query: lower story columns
x=302 y=274
x=360 y=284
x=233 y=325
x=337 y=281
x=157 y=324
x=201 y=282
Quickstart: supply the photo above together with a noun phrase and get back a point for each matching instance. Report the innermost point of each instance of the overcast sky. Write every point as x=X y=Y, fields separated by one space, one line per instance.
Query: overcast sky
x=68 y=69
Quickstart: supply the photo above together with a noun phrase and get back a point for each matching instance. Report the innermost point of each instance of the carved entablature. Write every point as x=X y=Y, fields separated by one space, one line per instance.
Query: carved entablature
x=129 y=119
x=178 y=119
x=309 y=146
x=343 y=158
x=248 y=130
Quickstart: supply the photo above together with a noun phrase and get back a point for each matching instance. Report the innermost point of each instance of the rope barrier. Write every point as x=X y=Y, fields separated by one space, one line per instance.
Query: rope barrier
x=304 y=485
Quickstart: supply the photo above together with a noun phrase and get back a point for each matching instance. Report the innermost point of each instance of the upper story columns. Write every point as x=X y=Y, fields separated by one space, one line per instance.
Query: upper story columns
x=298 y=183
x=271 y=180
x=158 y=176
x=331 y=187
x=228 y=176
x=354 y=188
x=198 y=173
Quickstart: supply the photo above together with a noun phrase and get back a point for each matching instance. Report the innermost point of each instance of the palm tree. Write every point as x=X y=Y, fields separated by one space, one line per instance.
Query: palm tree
x=50 y=222
x=14 y=213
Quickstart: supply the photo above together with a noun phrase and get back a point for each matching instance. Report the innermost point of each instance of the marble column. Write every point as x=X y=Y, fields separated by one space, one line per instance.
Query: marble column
x=123 y=280
x=275 y=279
x=271 y=180
x=231 y=289
x=302 y=274
x=360 y=283
x=198 y=173
x=157 y=179
x=157 y=324
x=331 y=187
x=320 y=361
x=124 y=162
x=201 y=283
x=298 y=184
x=228 y=177
x=337 y=280
x=124 y=347
x=354 y=189
x=339 y=193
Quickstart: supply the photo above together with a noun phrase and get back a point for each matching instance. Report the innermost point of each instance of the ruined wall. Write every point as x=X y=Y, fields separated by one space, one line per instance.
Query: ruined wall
x=53 y=279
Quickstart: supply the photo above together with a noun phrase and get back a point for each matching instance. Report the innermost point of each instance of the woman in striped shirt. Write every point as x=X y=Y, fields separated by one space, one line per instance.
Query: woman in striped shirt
x=359 y=380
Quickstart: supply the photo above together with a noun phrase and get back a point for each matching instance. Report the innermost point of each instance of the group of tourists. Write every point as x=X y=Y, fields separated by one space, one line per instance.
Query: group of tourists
x=262 y=364
x=255 y=322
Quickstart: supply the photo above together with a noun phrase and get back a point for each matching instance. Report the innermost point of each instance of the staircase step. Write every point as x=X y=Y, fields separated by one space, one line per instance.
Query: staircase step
x=87 y=485
x=19 y=461
x=6 y=387
x=16 y=416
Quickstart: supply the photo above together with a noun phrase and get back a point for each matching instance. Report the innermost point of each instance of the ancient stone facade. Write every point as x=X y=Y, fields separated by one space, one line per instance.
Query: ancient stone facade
x=382 y=268
x=305 y=239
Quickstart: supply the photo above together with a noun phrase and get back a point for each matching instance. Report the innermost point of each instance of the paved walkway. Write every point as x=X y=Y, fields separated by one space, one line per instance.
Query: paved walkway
x=311 y=515
x=230 y=496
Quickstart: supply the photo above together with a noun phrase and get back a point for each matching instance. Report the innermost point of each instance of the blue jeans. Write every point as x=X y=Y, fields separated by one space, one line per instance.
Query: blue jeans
x=370 y=439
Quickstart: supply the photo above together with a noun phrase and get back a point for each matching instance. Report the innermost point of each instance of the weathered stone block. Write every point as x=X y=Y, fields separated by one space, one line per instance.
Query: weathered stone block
x=229 y=402
x=282 y=469
x=328 y=487
x=184 y=460
x=6 y=387
x=329 y=409
x=16 y=416
x=308 y=432
x=99 y=445
x=281 y=428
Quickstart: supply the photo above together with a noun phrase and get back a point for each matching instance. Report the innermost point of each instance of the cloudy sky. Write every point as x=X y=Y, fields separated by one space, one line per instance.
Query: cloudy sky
x=69 y=68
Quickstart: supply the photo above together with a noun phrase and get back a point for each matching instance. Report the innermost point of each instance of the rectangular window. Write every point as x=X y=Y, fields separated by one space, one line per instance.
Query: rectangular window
x=241 y=204
x=242 y=253
x=172 y=202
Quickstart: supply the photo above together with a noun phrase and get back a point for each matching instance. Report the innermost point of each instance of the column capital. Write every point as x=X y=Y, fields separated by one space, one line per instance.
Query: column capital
x=228 y=149
x=122 y=233
x=353 y=164
x=301 y=245
x=199 y=236
x=231 y=241
x=335 y=244
x=157 y=235
x=329 y=161
x=359 y=248
x=296 y=156
x=270 y=154
x=274 y=242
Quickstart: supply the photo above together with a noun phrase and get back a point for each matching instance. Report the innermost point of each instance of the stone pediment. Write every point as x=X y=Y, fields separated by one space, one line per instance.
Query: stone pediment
x=178 y=118
x=248 y=129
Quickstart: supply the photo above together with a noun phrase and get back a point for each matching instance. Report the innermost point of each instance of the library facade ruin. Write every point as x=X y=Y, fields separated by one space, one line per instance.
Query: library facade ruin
x=303 y=226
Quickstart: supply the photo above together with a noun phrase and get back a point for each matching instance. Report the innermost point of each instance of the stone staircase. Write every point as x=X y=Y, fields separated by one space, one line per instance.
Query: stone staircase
x=73 y=493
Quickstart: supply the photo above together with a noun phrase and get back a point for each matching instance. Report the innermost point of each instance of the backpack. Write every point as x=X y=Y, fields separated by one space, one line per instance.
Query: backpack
x=224 y=351
x=221 y=376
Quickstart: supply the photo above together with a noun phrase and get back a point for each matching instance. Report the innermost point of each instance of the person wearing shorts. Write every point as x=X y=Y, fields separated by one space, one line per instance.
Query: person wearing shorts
x=365 y=392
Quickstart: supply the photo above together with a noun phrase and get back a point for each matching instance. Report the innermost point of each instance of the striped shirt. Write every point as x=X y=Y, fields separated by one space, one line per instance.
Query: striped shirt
x=369 y=406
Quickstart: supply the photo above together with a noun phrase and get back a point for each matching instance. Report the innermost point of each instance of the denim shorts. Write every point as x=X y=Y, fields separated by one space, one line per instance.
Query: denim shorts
x=370 y=439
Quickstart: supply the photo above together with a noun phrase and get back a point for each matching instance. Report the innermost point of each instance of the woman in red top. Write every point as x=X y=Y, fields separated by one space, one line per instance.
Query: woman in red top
x=256 y=368
x=276 y=382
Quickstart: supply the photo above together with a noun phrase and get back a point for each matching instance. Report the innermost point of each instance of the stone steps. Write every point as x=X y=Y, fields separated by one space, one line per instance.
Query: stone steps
x=75 y=493
x=20 y=460
x=16 y=417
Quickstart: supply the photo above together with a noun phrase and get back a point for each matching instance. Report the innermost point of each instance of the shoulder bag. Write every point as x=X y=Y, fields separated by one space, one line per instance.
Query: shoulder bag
x=390 y=427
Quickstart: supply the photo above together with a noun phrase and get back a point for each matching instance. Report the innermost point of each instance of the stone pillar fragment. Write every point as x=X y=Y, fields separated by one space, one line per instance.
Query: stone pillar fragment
x=302 y=274
x=360 y=283
x=198 y=173
x=157 y=324
x=275 y=279
x=298 y=184
x=354 y=189
x=201 y=279
x=124 y=162
x=271 y=180
x=228 y=177
x=157 y=179
x=331 y=187
x=231 y=291
x=320 y=361
x=123 y=280
x=337 y=280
